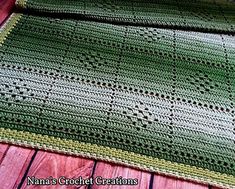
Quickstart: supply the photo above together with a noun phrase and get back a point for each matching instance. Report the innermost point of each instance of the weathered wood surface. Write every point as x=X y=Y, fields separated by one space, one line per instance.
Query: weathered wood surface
x=17 y=163
x=47 y=164
x=6 y=7
x=13 y=165
x=173 y=183
x=107 y=170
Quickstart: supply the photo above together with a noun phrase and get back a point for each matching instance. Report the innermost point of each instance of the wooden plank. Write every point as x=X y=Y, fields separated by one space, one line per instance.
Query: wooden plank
x=6 y=7
x=107 y=170
x=3 y=151
x=174 y=183
x=13 y=165
x=48 y=164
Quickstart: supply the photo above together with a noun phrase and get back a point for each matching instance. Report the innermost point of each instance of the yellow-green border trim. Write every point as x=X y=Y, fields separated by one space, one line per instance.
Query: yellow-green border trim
x=118 y=156
x=8 y=26
x=21 y=3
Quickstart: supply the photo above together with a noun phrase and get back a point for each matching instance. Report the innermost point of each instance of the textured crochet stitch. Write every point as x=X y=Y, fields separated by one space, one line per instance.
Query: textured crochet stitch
x=144 y=83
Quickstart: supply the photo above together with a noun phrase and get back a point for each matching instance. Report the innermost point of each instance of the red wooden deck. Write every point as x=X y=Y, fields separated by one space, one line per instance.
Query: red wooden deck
x=17 y=163
x=5 y=9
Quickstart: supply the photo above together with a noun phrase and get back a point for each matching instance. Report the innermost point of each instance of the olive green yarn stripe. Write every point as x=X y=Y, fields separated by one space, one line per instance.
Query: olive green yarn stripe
x=116 y=155
x=8 y=26
x=21 y=3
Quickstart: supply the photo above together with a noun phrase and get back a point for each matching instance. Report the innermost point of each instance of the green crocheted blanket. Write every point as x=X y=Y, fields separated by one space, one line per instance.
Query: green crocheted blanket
x=144 y=83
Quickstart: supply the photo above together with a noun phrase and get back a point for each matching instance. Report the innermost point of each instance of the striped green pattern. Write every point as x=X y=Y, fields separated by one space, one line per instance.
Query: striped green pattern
x=206 y=15
x=106 y=72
